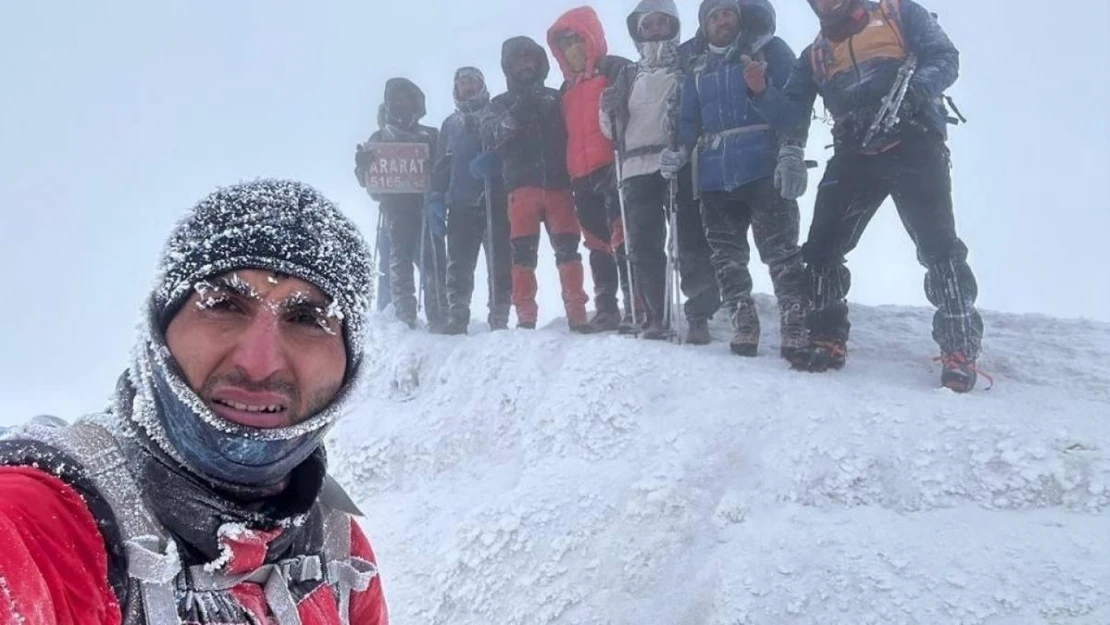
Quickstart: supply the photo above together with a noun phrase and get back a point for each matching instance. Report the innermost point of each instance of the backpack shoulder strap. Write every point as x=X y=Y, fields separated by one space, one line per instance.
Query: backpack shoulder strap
x=892 y=13
x=345 y=573
x=152 y=558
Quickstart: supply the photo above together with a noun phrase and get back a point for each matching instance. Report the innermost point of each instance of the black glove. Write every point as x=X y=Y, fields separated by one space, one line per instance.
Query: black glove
x=363 y=157
x=916 y=100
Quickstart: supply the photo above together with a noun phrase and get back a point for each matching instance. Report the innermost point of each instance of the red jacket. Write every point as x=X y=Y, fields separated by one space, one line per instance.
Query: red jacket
x=54 y=564
x=588 y=149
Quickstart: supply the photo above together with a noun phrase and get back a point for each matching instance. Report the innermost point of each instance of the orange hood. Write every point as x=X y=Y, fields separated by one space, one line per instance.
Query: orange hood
x=585 y=23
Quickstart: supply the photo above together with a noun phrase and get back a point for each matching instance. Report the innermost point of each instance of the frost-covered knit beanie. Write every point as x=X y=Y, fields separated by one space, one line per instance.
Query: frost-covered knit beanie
x=277 y=225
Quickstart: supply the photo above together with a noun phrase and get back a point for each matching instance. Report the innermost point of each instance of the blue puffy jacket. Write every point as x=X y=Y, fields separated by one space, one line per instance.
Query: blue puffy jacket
x=734 y=143
x=460 y=141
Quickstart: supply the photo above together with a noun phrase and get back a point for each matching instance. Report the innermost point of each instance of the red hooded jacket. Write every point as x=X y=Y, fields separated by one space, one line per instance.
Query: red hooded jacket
x=588 y=150
x=54 y=563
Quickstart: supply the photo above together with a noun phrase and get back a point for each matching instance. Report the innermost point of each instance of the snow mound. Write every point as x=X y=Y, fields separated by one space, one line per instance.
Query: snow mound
x=543 y=478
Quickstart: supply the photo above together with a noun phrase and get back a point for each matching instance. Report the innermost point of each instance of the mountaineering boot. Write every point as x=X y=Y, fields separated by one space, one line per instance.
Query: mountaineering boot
x=656 y=331
x=698 y=332
x=456 y=327
x=606 y=320
x=959 y=373
x=821 y=355
x=745 y=330
x=795 y=336
x=583 y=328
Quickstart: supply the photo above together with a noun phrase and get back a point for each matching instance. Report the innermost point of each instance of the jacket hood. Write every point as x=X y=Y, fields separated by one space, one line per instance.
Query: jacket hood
x=667 y=7
x=400 y=89
x=479 y=100
x=518 y=46
x=757 y=17
x=585 y=23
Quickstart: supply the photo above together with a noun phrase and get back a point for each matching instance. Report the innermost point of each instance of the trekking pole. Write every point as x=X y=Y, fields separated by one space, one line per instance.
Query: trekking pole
x=490 y=262
x=674 y=294
x=420 y=263
x=624 y=224
x=377 y=259
x=435 y=266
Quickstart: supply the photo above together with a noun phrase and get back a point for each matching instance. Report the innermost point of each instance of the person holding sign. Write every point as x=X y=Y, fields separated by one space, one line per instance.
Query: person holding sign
x=475 y=208
x=394 y=166
x=524 y=131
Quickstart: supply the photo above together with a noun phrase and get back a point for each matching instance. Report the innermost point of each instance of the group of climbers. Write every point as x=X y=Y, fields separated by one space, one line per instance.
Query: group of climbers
x=701 y=142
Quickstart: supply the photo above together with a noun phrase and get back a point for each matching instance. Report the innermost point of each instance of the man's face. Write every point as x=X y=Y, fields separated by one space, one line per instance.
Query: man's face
x=525 y=67
x=657 y=27
x=574 y=50
x=467 y=87
x=722 y=27
x=403 y=107
x=831 y=8
x=260 y=350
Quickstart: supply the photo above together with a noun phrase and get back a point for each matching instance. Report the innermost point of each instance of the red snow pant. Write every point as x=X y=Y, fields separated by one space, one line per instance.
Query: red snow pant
x=529 y=207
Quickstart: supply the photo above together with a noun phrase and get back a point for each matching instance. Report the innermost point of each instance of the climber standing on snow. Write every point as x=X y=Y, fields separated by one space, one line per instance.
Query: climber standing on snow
x=472 y=203
x=862 y=50
x=747 y=174
x=640 y=111
x=577 y=40
x=202 y=495
x=416 y=236
x=527 y=141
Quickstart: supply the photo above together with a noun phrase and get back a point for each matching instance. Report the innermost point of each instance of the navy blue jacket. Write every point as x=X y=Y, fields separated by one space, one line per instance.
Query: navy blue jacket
x=460 y=141
x=735 y=145
x=854 y=97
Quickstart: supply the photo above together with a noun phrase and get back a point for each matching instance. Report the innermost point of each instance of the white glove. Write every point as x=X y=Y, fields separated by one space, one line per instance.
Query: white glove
x=672 y=161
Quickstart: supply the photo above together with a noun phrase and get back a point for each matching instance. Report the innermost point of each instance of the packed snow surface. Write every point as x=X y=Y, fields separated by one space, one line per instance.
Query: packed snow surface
x=544 y=478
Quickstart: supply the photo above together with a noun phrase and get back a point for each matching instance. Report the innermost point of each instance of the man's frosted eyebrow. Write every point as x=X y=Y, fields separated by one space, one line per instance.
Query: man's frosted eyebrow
x=236 y=285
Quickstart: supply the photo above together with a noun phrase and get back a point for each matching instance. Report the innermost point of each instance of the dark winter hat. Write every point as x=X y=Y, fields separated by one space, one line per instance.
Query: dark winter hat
x=278 y=225
x=709 y=6
x=404 y=101
x=480 y=99
x=517 y=46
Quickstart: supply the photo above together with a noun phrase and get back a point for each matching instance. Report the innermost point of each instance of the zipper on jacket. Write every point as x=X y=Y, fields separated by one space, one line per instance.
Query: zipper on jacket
x=852 y=53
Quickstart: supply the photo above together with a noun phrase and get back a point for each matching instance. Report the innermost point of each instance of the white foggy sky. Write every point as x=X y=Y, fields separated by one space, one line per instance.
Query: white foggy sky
x=116 y=116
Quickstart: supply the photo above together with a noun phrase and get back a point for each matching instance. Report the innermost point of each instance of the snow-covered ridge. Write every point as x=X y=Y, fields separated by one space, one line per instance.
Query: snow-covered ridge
x=536 y=477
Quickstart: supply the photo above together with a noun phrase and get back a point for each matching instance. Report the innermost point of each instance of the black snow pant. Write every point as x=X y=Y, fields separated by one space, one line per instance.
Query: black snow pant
x=916 y=173
x=597 y=203
x=647 y=202
x=775 y=224
x=466 y=235
x=404 y=216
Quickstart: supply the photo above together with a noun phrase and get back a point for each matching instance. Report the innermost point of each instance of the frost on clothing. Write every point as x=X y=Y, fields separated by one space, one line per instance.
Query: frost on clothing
x=42 y=579
x=525 y=125
x=278 y=225
x=460 y=141
x=115 y=493
x=588 y=149
x=412 y=244
x=648 y=92
x=852 y=76
x=732 y=141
